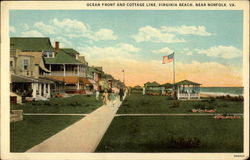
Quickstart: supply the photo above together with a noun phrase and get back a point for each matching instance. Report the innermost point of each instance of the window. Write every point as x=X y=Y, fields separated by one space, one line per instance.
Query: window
x=25 y=64
x=48 y=54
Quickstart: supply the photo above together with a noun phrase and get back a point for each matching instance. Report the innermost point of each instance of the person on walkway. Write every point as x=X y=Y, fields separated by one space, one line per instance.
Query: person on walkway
x=112 y=98
x=121 y=94
x=105 y=97
x=97 y=94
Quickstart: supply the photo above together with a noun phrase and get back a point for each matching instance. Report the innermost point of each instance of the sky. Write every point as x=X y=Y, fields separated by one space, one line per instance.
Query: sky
x=208 y=45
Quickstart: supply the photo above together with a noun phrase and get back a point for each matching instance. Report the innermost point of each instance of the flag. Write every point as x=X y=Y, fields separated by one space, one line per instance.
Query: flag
x=167 y=59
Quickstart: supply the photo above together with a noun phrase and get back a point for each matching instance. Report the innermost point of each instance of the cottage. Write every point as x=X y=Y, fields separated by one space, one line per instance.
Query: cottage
x=65 y=65
x=152 y=88
x=27 y=67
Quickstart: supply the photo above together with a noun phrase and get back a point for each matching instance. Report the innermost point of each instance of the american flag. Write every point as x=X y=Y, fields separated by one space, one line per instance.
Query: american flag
x=167 y=59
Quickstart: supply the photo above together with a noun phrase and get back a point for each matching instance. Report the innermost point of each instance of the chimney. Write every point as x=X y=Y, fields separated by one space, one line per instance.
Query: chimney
x=57 y=46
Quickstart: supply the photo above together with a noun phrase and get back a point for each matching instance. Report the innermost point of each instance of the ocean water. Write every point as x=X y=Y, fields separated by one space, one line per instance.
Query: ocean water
x=222 y=90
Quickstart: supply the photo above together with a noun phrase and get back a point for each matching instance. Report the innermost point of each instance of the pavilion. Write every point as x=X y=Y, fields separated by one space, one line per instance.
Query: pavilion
x=187 y=90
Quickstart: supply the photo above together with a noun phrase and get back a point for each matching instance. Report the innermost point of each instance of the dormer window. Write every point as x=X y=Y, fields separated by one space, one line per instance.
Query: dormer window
x=48 y=54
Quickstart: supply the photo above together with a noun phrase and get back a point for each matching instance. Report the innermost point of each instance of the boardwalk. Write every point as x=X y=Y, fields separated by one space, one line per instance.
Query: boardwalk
x=83 y=136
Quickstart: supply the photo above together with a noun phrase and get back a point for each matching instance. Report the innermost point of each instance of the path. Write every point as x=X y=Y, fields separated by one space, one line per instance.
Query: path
x=178 y=114
x=82 y=136
x=54 y=114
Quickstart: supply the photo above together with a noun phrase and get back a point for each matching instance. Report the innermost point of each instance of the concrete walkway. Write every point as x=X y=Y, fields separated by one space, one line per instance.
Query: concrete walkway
x=178 y=114
x=82 y=136
x=54 y=114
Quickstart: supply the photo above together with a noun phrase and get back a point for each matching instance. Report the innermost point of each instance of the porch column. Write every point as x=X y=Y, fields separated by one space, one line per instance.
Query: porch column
x=78 y=70
x=44 y=89
x=48 y=91
x=64 y=70
x=33 y=86
x=40 y=89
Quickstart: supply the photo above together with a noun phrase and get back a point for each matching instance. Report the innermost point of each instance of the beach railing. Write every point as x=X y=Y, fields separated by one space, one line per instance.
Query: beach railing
x=188 y=96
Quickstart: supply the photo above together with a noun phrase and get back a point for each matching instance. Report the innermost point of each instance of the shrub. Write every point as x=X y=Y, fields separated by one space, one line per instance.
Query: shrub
x=198 y=106
x=169 y=98
x=175 y=104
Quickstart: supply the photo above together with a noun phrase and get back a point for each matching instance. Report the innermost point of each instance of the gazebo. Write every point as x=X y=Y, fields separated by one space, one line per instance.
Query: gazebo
x=187 y=90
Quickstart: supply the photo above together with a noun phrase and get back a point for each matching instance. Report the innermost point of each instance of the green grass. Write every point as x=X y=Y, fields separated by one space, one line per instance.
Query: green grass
x=154 y=134
x=35 y=129
x=160 y=104
x=74 y=104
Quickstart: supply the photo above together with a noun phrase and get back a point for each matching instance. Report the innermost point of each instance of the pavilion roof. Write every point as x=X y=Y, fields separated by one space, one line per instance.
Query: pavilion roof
x=152 y=84
x=186 y=82
x=168 y=85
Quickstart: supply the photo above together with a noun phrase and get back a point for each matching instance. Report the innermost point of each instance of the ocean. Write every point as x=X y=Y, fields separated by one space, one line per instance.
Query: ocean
x=233 y=91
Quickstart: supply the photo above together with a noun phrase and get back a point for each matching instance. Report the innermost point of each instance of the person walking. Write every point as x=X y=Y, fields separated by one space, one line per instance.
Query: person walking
x=105 y=97
x=112 y=98
x=121 y=94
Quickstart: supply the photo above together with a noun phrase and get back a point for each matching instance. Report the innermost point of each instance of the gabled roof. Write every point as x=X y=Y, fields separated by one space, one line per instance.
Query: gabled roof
x=70 y=51
x=152 y=84
x=62 y=58
x=186 y=82
x=137 y=87
x=168 y=85
x=35 y=44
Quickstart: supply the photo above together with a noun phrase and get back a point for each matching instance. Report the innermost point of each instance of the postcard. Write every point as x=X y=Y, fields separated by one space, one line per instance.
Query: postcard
x=124 y=80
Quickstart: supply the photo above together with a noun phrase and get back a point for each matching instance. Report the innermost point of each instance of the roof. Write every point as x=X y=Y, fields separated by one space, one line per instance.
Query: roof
x=62 y=57
x=137 y=87
x=35 y=44
x=152 y=84
x=186 y=82
x=168 y=85
x=24 y=79
x=94 y=69
x=70 y=51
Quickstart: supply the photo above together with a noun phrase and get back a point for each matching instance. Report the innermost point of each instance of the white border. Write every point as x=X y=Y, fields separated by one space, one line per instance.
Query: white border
x=49 y=5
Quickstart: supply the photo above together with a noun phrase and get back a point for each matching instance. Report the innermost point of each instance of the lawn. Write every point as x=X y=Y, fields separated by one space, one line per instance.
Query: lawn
x=137 y=103
x=35 y=129
x=74 y=104
x=166 y=133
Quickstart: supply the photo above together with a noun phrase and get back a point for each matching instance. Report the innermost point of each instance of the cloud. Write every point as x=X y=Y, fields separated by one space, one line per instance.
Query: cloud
x=12 y=29
x=149 y=33
x=45 y=28
x=104 y=34
x=24 y=27
x=163 y=51
x=63 y=42
x=187 y=30
x=121 y=50
x=226 y=52
x=186 y=51
x=32 y=33
x=79 y=29
x=70 y=25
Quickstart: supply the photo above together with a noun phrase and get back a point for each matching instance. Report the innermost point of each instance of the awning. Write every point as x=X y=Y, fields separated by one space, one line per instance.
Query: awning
x=84 y=80
x=22 y=79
